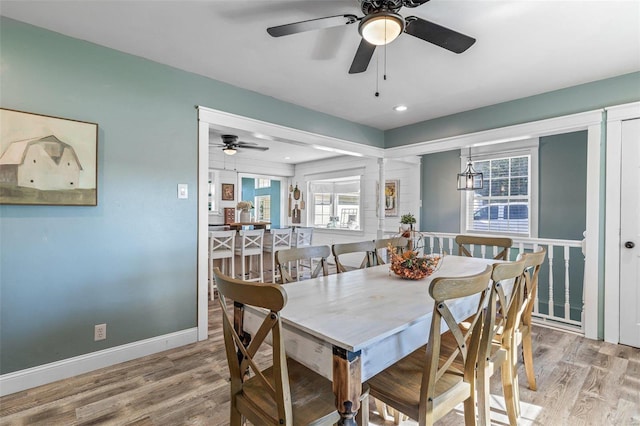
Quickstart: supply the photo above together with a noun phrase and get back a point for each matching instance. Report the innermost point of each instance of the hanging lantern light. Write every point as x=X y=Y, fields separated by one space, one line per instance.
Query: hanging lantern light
x=469 y=179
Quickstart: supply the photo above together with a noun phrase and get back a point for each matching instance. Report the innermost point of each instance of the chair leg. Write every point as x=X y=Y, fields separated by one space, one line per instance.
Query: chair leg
x=362 y=418
x=508 y=372
x=484 y=398
x=527 y=356
x=236 y=419
x=211 y=279
x=470 y=411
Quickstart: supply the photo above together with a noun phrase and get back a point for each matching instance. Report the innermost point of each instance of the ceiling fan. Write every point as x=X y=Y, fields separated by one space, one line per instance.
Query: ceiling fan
x=380 y=25
x=230 y=144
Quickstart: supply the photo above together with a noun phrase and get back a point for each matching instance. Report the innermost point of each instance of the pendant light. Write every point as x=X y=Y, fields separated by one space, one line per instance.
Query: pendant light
x=469 y=179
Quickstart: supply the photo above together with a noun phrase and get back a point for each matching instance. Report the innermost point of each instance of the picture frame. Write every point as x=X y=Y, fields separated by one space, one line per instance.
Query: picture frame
x=391 y=199
x=228 y=192
x=47 y=160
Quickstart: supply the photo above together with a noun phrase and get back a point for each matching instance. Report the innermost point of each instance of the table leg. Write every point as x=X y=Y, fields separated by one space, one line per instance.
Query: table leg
x=347 y=384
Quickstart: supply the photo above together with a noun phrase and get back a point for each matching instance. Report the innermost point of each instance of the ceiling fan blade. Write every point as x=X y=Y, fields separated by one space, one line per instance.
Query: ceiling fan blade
x=363 y=57
x=246 y=144
x=438 y=35
x=260 y=148
x=311 y=24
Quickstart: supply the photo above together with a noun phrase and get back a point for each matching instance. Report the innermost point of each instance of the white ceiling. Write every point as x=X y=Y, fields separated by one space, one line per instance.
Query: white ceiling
x=523 y=48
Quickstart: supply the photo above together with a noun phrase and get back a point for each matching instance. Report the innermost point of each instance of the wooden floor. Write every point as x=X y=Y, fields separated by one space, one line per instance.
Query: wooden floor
x=580 y=382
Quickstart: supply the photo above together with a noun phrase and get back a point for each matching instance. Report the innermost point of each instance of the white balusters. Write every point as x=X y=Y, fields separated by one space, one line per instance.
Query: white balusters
x=550 y=257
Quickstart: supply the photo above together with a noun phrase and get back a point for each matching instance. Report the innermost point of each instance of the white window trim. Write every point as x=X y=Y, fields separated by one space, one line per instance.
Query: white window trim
x=338 y=174
x=511 y=149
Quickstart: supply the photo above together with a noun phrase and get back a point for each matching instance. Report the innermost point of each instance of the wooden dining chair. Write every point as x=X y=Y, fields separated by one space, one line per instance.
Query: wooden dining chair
x=473 y=240
x=497 y=344
x=221 y=247
x=522 y=333
x=366 y=249
x=382 y=245
x=430 y=382
x=285 y=393
x=285 y=258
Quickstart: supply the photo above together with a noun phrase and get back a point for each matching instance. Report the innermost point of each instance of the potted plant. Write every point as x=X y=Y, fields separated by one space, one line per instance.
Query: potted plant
x=407 y=221
x=244 y=207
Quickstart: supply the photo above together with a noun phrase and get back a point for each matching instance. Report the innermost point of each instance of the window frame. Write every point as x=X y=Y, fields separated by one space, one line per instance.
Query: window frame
x=486 y=152
x=335 y=177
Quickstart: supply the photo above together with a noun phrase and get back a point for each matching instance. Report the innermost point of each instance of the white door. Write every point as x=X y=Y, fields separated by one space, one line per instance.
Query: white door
x=630 y=235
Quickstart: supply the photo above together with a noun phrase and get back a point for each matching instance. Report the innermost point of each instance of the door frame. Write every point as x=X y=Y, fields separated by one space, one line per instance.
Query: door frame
x=615 y=116
x=210 y=117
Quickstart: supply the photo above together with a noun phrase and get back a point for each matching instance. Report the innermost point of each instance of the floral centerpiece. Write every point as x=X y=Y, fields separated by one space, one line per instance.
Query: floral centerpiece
x=411 y=266
x=244 y=207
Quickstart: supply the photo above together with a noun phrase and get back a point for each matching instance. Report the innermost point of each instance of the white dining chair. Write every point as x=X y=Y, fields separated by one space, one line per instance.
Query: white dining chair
x=250 y=243
x=278 y=239
x=221 y=246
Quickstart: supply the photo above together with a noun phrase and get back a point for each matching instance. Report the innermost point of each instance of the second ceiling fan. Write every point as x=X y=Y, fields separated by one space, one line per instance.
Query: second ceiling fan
x=380 y=25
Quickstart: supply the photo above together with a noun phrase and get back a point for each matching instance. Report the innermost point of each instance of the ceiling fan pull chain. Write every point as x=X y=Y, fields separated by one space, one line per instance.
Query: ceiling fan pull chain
x=377 y=94
x=385 y=62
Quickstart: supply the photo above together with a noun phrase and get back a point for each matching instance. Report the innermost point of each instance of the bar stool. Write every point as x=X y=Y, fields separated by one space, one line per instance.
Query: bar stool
x=251 y=243
x=221 y=246
x=303 y=238
x=280 y=240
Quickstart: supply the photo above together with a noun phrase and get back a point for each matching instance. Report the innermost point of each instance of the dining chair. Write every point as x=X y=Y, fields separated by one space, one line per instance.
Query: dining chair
x=303 y=237
x=497 y=334
x=280 y=239
x=366 y=249
x=522 y=333
x=474 y=240
x=284 y=258
x=251 y=242
x=401 y=244
x=428 y=383
x=221 y=246
x=286 y=392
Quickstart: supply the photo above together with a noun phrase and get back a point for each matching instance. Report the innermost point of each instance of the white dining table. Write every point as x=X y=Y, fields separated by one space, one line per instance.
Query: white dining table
x=350 y=326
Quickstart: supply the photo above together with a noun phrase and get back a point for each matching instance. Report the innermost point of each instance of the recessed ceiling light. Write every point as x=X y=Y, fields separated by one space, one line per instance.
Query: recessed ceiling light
x=287 y=158
x=400 y=108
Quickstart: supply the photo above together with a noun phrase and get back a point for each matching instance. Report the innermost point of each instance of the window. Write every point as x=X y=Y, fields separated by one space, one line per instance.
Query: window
x=263 y=208
x=335 y=203
x=506 y=203
x=262 y=183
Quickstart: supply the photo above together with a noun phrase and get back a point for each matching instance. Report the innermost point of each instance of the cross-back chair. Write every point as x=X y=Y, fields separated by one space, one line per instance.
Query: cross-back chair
x=428 y=383
x=382 y=248
x=286 y=393
x=280 y=240
x=497 y=337
x=366 y=248
x=251 y=242
x=522 y=333
x=473 y=240
x=284 y=259
x=221 y=246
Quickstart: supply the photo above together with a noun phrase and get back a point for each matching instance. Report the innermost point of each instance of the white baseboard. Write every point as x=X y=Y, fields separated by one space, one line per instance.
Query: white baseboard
x=47 y=373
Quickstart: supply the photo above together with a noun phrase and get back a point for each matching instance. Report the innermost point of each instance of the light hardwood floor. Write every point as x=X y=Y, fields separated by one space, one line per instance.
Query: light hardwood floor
x=580 y=382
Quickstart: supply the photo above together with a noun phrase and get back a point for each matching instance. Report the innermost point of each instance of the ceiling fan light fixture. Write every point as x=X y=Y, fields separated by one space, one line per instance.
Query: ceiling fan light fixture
x=381 y=28
x=229 y=150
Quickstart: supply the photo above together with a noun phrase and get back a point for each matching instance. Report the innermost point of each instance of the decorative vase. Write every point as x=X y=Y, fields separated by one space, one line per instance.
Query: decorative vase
x=245 y=216
x=405 y=226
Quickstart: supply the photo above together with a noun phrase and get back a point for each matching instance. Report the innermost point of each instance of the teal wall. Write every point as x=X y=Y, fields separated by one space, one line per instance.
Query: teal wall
x=562 y=195
x=440 y=197
x=130 y=262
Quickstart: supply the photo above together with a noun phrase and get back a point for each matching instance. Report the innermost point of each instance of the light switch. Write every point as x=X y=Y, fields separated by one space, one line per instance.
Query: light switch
x=183 y=190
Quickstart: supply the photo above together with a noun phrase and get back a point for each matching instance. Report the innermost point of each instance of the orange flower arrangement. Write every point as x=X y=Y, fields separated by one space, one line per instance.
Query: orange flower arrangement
x=410 y=266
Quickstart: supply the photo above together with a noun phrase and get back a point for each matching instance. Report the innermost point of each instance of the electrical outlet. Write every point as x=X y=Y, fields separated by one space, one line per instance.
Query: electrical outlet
x=100 y=332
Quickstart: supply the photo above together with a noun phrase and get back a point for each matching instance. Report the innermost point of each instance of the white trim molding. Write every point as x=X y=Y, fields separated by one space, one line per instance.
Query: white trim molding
x=47 y=373
x=615 y=116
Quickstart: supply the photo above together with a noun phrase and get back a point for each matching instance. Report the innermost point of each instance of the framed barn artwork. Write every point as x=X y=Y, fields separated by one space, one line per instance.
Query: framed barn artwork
x=47 y=160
